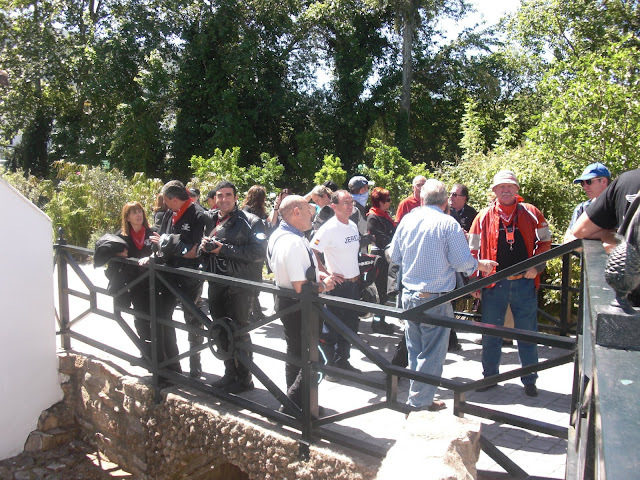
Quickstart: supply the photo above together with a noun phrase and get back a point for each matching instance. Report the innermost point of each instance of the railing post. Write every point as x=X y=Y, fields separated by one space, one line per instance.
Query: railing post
x=565 y=298
x=63 y=288
x=154 y=324
x=310 y=338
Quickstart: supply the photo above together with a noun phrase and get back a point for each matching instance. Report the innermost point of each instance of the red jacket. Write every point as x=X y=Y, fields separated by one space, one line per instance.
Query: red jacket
x=483 y=236
x=406 y=206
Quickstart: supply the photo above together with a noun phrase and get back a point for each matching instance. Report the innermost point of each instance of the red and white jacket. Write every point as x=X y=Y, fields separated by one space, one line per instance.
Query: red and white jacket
x=483 y=236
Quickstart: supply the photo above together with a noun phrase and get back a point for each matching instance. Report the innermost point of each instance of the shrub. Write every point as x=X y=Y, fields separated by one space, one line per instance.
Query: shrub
x=390 y=170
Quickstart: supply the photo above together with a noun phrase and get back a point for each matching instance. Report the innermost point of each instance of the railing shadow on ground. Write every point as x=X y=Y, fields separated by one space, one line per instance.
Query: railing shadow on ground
x=307 y=420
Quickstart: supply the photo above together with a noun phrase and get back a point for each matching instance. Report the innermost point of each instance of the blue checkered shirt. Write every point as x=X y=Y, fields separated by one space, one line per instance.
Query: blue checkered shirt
x=430 y=247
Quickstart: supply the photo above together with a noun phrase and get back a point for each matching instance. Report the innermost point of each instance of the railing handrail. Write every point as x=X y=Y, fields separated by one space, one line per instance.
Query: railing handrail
x=313 y=306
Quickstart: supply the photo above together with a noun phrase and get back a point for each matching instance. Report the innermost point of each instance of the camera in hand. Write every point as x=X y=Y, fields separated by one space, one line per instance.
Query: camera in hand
x=210 y=245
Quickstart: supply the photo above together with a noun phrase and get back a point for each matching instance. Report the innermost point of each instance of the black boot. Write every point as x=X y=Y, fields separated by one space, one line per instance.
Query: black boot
x=243 y=383
x=244 y=380
x=381 y=326
x=230 y=375
x=195 y=370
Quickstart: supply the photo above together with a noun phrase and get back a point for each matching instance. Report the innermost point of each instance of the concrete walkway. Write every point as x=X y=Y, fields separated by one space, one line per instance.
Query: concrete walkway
x=539 y=455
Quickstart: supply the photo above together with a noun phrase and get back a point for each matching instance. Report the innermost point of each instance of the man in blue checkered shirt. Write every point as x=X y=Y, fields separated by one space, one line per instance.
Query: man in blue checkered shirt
x=430 y=247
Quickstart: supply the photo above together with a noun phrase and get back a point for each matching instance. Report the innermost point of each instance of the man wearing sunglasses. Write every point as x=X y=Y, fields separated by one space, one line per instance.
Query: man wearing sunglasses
x=459 y=208
x=293 y=265
x=594 y=180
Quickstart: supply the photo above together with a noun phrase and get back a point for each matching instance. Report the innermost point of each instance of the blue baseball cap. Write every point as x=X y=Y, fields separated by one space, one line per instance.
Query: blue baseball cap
x=592 y=171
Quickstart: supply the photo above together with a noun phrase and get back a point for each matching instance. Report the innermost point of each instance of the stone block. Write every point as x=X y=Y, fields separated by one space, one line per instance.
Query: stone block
x=447 y=447
x=42 y=441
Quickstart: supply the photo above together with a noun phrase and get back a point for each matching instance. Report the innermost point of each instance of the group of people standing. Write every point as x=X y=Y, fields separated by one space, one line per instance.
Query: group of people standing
x=225 y=240
x=436 y=239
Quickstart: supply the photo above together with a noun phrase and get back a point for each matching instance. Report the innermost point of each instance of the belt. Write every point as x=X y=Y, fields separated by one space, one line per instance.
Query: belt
x=427 y=294
x=516 y=277
x=352 y=279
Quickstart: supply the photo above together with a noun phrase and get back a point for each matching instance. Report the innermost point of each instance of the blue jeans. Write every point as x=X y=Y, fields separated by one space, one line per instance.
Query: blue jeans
x=427 y=347
x=521 y=295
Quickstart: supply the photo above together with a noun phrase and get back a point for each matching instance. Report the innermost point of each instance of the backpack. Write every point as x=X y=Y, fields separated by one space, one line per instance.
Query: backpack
x=630 y=230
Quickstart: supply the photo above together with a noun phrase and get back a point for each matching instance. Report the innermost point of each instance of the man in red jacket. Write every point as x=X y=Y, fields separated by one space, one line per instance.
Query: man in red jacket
x=412 y=201
x=509 y=232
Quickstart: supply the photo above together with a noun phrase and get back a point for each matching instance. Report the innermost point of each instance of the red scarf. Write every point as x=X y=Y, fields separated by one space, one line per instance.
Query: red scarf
x=181 y=210
x=378 y=212
x=506 y=212
x=137 y=237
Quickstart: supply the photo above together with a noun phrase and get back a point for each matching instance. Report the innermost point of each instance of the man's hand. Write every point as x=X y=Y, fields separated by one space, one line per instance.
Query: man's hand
x=476 y=294
x=328 y=282
x=531 y=272
x=210 y=240
x=337 y=278
x=487 y=266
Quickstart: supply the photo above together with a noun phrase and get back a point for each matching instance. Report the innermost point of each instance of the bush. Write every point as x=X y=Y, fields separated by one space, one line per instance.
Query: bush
x=38 y=191
x=390 y=170
x=224 y=166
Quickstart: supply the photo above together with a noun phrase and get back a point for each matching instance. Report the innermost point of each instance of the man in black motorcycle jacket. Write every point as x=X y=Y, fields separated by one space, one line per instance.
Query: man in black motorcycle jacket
x=234 y=245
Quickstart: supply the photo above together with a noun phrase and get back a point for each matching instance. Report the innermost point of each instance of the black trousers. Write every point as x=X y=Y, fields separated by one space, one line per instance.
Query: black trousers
x=166 y=304
x=234 y=303
x=293 y=336
x=337 y=347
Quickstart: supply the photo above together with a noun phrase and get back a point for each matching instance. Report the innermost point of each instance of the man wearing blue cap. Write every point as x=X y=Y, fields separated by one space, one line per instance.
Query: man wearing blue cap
x=594 y=180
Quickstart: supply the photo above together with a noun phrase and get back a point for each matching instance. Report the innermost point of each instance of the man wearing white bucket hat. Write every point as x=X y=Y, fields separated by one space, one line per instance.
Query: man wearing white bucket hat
x=509 y=232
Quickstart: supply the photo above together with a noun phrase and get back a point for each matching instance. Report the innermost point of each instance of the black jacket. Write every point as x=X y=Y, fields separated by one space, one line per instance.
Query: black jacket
x=244 y=245
x=190 y=227
x=382 y=230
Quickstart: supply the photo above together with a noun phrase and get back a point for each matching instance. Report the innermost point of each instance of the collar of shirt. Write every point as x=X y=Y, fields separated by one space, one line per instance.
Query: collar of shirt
x=288 y=228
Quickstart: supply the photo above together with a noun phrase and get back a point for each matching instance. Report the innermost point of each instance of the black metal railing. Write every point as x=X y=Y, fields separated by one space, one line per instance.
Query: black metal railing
x=605 y=426
x=314 y=310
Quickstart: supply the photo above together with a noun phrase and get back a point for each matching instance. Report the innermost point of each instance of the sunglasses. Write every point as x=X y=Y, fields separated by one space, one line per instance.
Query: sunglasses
x=454 y=195
x=591 y=180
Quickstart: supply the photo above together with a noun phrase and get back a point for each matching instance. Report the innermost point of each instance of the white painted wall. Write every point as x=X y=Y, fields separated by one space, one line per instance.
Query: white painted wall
x=28 y=363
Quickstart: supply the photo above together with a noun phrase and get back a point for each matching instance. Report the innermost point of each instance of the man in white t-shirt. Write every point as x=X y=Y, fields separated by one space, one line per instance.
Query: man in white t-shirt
x=293 y=265
x=339 y=241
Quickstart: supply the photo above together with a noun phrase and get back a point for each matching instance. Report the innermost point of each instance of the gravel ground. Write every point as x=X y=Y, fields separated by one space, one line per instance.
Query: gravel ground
x=75 y=461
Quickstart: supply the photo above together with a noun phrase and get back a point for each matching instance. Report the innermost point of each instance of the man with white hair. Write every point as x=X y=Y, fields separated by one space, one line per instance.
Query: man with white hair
x=509 y=232
x=430 y=246
x=413 y=201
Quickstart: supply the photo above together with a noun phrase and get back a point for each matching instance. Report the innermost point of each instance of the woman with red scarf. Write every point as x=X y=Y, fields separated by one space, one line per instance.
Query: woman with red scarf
x=136 y=232
x=382 y=227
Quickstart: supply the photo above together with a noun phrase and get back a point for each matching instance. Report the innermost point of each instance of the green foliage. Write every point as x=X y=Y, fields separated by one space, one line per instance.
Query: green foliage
x=390 y=170
x=593 y=112
x=224 y=166
x=473 y=142
x=36 y=190
x=331 y=170
x=85 y=201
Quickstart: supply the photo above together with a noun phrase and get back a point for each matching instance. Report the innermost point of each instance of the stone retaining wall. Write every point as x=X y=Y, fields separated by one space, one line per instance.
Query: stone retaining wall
x=188 y=436
x=185 y=437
